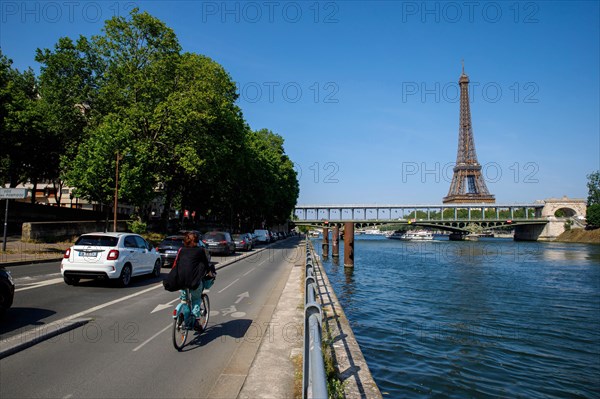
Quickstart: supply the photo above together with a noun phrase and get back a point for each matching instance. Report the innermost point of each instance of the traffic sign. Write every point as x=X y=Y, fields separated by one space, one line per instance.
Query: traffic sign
x=13 y=193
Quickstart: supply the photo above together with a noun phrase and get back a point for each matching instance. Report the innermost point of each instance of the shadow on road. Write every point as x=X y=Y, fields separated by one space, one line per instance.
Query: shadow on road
x=234 y=330
x=16 y=318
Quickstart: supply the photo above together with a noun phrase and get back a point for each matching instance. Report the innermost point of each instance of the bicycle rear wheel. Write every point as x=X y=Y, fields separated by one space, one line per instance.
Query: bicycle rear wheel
x=180 y=332
x=204 y=312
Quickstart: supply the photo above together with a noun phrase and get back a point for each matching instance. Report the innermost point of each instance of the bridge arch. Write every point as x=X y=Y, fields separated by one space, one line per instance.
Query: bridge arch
x=565 y=212
x=569 y=207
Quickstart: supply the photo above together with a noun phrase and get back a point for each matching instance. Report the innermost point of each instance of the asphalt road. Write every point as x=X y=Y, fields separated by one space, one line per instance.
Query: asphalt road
x=125 y=348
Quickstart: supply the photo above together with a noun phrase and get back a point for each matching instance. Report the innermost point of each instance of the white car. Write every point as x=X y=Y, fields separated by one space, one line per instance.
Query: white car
x=116 y=256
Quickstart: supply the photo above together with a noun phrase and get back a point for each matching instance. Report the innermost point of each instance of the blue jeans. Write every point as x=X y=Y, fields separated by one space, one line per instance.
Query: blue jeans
x=196 y=298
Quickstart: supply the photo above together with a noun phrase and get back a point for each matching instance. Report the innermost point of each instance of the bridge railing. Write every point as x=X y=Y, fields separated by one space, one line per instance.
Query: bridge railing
x=314 y=380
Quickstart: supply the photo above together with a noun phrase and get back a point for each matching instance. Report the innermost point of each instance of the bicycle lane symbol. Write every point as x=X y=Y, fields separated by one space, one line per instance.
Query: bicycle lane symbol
x=231 y=310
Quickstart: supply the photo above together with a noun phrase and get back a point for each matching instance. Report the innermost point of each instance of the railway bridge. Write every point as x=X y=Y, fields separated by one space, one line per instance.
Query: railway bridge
x=542 y=220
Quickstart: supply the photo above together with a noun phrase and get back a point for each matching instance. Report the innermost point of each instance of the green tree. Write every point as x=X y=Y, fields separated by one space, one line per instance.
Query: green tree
x=593 y=185
x=68 y=89
x=593 y=215
x=130 y=73
x=170 y=117
x=24 y=135
x=275 y=181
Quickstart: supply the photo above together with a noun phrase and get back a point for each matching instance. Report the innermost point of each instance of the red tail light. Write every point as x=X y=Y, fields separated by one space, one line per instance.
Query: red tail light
x=67 y=253
x=113 y=255
x=223 y=242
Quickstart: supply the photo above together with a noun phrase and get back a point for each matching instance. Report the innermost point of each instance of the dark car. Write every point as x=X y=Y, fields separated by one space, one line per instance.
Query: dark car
x=243 y=241
x=169 y=247
x=7 y=290
x=219 y=242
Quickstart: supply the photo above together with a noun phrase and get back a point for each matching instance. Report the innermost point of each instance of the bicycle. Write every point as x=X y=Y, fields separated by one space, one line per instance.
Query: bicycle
x=184 y=320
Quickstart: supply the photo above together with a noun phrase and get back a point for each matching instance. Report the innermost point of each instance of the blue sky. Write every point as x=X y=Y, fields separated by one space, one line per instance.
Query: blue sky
x=366 y=95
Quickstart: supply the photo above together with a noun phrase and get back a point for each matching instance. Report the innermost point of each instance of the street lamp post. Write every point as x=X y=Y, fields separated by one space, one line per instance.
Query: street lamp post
x=119 y=157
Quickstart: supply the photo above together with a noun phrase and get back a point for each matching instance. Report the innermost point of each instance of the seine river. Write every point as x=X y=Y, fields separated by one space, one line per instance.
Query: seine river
x=493 y=318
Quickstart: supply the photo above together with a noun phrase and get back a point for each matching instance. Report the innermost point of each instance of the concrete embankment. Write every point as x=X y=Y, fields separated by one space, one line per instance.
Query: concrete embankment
x=580 y=236
x=351 y=365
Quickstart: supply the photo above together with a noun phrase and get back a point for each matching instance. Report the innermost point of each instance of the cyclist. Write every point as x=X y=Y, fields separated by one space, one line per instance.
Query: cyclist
x=193 y=265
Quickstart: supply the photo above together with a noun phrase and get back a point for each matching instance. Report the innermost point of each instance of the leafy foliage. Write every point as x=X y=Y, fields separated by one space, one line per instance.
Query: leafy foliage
x=593 y=188
x=593 y=215
x=129 y=96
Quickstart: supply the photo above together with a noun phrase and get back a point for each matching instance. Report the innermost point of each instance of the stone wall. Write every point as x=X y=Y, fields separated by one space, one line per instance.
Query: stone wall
x=43 y=231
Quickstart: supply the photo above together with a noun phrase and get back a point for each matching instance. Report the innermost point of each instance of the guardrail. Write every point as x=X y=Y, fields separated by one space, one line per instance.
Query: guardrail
x=314 y=380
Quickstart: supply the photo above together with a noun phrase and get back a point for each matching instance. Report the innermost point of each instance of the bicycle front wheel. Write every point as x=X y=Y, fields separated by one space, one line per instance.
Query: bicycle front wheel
x=204 y=312
x=180 y=332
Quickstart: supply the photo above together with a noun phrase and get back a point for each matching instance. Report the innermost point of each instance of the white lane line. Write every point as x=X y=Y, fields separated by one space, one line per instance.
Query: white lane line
x=248 y=272
x=64 y=320
x=42 y=284
x=232 y=283
x=152 y=337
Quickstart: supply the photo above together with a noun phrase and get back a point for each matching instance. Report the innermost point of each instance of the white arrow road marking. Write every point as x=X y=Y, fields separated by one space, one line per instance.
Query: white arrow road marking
x=242 y=296
x=162 y=306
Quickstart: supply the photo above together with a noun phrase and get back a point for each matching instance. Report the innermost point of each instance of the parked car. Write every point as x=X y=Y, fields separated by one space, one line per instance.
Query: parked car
x=242 y=241
x=219 y=242
x=7 y=290
x=169 y=247
x=114 y=256
x=262 y=236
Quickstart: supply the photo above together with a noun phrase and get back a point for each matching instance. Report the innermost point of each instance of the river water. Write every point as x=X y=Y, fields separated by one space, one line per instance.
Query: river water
x=493 y=318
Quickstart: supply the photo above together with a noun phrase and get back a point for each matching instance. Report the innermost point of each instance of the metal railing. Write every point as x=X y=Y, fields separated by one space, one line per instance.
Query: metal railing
x=314 y=380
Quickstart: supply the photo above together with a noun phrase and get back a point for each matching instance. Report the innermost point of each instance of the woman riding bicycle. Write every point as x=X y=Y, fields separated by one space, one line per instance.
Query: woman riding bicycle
x=193 y=265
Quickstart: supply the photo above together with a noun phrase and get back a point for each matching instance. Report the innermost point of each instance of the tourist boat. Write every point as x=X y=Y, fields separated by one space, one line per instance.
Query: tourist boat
x=418 y=235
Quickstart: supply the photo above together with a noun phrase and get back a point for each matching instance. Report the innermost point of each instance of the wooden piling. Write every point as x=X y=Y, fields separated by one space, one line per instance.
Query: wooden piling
x=335 y=240
x=325 y=244
x=349 y=244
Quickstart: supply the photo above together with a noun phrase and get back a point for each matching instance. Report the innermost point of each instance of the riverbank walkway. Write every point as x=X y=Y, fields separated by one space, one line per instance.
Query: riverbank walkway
x=270 y=367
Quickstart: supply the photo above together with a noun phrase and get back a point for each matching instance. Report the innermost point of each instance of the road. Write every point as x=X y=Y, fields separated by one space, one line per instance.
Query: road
x=125 y=350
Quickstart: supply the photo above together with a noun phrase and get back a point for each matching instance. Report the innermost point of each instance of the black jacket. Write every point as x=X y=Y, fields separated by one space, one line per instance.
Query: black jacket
x=192 y=265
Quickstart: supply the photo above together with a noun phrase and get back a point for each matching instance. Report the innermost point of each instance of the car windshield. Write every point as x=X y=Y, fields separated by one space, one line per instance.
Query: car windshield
x=237 y=237
x=172 y=241
x=214 y=236
x=99 y=241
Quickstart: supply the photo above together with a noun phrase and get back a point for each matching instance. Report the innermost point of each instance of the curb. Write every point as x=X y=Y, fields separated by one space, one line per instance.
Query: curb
x=29 y=262
x=30 y=338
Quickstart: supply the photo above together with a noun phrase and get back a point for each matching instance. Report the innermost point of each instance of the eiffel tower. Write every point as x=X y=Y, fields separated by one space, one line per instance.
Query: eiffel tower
x=467 y=184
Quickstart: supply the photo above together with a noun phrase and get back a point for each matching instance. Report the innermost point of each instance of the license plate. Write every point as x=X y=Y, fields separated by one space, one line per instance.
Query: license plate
x=88 y=254
x=170 y=252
